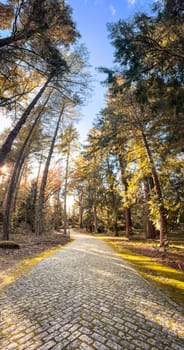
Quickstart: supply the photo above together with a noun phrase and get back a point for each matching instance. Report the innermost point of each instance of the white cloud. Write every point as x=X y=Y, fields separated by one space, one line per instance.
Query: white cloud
x=112 y=9
x=131 y=2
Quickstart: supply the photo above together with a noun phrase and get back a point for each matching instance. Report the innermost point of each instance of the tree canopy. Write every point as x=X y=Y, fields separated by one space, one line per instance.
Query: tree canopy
x=128 y=175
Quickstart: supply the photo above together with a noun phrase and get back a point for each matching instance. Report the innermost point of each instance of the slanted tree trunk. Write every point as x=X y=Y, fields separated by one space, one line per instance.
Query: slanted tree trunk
x=150 y=228
x=39 y=227
x=16 y=190
x=16 y=175
x=36 y=189
x=6 y=147
x=162 y=218
x=6 y=214
x=161 y=209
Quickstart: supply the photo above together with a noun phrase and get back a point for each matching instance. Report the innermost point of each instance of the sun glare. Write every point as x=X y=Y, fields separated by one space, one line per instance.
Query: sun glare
x=70 y=202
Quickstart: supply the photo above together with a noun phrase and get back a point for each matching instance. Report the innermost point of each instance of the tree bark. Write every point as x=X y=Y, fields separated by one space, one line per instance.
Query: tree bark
x=150 y=229
x=57 y=211
x=128 y=222
x=39 y=227
x=81 y=210
x=116 y=232
x=128 y=219
x=16 y=174
x=95 y=220
x=162 y=218
x=81 y=217
x=36 y=189
x=65 y=217
x=6 y=147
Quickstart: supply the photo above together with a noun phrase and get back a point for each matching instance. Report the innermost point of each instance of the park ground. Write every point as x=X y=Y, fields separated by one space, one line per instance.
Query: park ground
x=165 y=268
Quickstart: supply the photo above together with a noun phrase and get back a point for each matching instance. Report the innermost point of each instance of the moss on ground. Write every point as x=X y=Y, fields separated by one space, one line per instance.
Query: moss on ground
x=9 y=245
x=168 y=279
x=24 y=265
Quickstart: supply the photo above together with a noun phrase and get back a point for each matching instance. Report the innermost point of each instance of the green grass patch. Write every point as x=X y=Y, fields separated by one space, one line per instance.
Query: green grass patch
x=170 y=280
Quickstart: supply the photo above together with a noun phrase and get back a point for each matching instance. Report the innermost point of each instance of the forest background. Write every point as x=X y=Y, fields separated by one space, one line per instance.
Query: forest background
x=127 y=179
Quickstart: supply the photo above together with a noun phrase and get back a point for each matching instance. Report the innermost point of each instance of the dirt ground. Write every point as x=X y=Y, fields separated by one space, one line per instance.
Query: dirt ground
x=30 y=246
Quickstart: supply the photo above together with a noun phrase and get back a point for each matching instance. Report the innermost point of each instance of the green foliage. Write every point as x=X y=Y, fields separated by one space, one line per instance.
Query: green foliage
x=144 y=110
x=25 y=207
x=133 y=158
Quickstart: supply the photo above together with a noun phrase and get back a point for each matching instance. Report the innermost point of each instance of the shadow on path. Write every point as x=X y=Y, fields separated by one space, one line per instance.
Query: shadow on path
x=86 y=297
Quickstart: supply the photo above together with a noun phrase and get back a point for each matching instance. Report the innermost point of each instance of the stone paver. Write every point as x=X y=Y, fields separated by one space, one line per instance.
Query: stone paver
x=85 y=297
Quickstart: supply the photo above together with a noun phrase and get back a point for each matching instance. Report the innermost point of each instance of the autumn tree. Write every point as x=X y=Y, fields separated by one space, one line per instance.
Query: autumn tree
x=149 y=51
x=15 y=176
x=147 y=88
x=78 y=178
x=94 y=181
x=44 y=54
x=39 y=213
x=37 y=20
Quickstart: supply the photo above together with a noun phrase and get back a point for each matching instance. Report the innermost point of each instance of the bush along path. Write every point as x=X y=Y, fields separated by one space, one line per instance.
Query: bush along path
x=86 y=297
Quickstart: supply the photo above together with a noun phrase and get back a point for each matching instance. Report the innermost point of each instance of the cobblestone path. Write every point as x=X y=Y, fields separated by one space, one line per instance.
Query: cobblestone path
x=86 y=297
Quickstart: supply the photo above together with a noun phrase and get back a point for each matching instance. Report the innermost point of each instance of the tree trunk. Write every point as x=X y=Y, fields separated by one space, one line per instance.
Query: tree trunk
x=150 y=229
x=57 y=211
x=116 y=232
x=65 y=218
x=6 y=147
x=162 y=218
x=95 y=220
x=36 y=189
x=128 y=223
x=39 y=213
x=16 y=174
x=114 y=211
x=128 y=220
x=6 y=216
x=12 y=186
x=16 y=189
x=81 y=210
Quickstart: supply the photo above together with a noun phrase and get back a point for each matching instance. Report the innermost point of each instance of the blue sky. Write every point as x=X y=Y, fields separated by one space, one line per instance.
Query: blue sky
x=91 y=18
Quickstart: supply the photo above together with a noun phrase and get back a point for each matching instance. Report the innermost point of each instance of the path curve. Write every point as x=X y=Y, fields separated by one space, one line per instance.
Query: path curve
x=86 y=297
